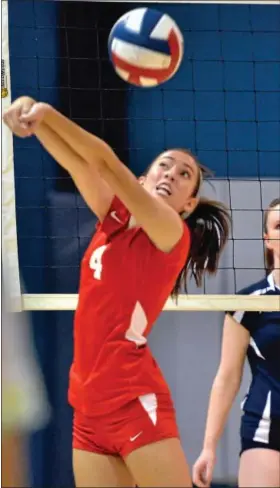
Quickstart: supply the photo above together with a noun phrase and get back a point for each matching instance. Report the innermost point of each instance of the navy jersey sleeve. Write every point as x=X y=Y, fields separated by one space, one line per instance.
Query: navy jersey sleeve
x=247 y=319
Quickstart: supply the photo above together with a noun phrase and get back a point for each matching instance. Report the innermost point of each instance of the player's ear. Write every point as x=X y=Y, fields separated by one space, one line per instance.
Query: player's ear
x=191 y=205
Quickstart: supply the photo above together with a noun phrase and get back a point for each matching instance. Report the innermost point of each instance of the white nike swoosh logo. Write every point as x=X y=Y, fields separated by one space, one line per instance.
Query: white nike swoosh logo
x=115 y=217
x=132 y=439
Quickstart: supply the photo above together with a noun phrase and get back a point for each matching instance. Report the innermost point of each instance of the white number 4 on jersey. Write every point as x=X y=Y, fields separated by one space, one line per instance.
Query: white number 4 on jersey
x=95 y=262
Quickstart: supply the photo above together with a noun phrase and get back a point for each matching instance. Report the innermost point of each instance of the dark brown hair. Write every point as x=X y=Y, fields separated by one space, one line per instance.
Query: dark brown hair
x=209 y=225
x=268 y=254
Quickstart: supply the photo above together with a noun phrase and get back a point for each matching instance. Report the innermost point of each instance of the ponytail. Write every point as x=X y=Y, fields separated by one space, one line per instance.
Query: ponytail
x=209 y=226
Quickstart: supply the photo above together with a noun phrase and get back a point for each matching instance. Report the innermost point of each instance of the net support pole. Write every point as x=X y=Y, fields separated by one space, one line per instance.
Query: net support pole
x=9 y=228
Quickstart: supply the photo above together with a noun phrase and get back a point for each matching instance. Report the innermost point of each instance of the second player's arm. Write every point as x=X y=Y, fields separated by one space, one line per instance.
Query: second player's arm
x=227 y=381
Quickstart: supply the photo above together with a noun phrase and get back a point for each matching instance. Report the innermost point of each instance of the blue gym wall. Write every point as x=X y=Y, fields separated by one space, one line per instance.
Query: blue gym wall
x=223 y=103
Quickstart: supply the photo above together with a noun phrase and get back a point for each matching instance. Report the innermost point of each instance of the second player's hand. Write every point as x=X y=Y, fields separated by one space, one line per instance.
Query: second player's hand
x=203 y=468
x=24 y=116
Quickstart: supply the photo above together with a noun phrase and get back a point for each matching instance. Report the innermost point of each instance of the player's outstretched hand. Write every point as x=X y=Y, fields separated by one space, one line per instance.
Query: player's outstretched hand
x=24 y=116
x=203 y=468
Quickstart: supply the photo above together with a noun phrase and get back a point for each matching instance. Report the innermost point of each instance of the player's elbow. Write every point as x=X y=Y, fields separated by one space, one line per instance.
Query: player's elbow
x=228 y=378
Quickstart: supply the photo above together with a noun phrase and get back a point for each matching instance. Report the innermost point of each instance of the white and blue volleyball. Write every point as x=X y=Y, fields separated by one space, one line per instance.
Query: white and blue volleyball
x=146 y=47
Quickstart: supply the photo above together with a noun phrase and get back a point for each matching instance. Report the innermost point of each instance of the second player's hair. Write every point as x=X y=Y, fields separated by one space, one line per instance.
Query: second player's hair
x=268 y=253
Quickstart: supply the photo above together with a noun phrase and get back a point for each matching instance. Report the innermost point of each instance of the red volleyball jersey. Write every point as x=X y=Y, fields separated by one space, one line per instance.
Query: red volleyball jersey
x=124 y=284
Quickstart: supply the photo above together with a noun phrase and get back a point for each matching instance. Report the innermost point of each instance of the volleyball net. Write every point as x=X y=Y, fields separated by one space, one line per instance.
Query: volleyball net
x=223 y=104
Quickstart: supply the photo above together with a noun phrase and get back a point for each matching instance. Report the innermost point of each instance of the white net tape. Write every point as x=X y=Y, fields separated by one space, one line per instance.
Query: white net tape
x=212 y=303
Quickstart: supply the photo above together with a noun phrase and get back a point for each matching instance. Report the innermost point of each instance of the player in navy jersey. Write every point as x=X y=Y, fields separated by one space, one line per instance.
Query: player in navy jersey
x=151 y=231
x=257 y=335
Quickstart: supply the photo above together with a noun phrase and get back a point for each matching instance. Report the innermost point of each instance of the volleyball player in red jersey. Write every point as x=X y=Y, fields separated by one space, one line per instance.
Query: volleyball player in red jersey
x=151 y=233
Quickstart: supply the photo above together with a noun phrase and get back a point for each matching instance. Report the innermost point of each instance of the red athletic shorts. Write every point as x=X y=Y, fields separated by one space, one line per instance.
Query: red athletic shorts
x=147 y=419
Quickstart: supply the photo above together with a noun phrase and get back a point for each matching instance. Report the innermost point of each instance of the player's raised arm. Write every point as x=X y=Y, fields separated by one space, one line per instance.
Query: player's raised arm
x=160 y=220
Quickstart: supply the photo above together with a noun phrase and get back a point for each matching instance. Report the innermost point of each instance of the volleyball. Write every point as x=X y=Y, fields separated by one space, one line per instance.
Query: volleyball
x=145 y=47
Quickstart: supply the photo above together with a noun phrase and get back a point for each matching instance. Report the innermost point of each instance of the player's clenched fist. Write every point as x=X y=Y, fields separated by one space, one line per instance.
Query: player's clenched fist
x=24 y=116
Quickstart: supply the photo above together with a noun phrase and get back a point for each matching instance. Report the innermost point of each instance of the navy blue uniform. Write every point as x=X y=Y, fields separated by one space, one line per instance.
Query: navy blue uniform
x=260 y=425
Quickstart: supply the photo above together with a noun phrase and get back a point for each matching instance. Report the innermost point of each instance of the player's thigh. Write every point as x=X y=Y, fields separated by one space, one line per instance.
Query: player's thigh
x=259 y=467
x=161 y=463
x=100 y=470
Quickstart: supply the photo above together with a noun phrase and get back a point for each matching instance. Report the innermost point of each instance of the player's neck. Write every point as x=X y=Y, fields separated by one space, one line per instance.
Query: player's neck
x=276 y=274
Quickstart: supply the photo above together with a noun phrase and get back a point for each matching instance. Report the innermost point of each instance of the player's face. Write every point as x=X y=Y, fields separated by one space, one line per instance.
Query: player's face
x=174 y=176
x=272 y=237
